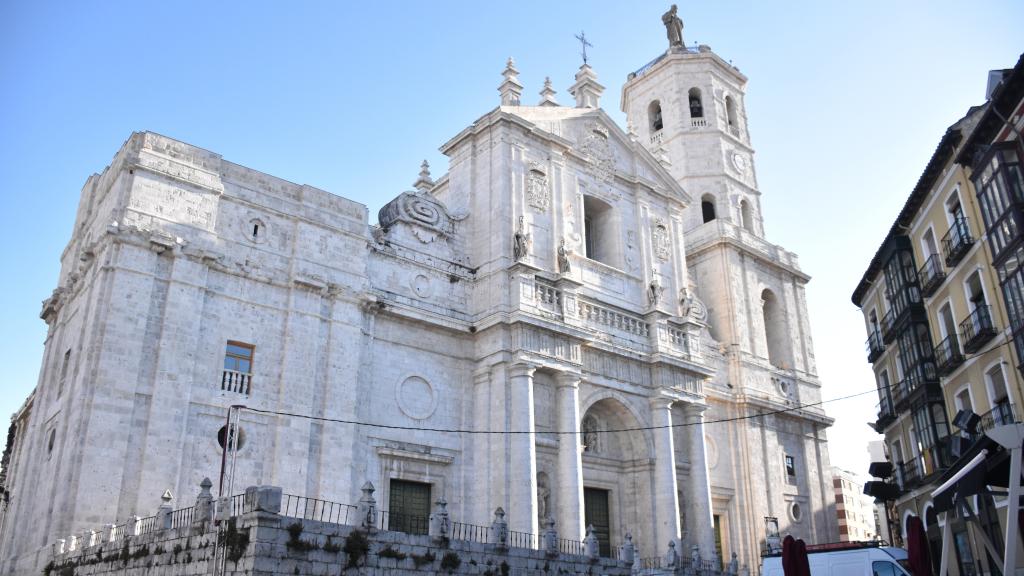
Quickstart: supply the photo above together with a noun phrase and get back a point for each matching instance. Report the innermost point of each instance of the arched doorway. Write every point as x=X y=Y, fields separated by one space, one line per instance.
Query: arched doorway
x=617 y=468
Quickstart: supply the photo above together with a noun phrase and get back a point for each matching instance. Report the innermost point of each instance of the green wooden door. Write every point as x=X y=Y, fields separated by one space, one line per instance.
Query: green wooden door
x=409 y=504
x=596 y=514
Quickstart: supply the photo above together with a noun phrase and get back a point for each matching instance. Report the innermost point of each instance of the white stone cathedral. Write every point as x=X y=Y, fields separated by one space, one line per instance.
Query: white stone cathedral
x=606 y=294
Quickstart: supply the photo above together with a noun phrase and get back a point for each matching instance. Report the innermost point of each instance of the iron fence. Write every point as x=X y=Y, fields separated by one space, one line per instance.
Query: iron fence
x=470 y=532
x=182 y=517
x=408 y=523
x=521 y=539
x=316 y=509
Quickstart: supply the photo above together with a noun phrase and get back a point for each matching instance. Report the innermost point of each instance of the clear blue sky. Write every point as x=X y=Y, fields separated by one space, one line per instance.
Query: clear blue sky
x=846 y=102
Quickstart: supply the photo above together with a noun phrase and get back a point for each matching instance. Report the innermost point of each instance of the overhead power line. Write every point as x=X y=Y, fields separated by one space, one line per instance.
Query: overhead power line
x=558 y=432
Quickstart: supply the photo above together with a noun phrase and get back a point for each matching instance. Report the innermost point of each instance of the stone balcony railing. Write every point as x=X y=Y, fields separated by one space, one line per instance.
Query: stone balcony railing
x=653 y=332
x=716 y=229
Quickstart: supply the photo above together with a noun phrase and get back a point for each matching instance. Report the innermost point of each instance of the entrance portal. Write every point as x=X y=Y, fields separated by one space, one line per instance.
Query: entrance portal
x=596 y=514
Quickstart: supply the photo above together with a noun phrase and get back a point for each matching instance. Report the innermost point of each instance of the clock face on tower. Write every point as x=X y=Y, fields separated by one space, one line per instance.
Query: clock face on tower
x=740 y=162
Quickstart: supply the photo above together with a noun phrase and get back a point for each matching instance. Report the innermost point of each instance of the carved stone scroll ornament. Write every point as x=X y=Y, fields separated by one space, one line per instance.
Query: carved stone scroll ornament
x=428 y=216
x=598 y=151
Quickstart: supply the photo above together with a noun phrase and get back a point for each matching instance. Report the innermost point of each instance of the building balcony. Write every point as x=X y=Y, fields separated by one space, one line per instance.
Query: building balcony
x=1003 y=413
x=236 y=382
x=931 y=275
x=698 y=122
x=888 y=326
x=908 y=475
x=957 y=241
x=948 y=355
x=886 y=413
x=874 y=345
x=921 y=378
x=977 y=329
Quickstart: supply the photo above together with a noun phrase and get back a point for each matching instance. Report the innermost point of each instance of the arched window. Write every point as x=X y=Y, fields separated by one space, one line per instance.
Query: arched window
x=654 y=116
x=707 y=207
x=601 y=240
x=775 y=330
x=745 y=218
x=730 y=112
x=696 y=104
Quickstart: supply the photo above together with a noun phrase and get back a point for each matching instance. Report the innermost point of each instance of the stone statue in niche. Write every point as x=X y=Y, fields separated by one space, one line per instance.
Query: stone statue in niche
x=538 y=195
x=564 y=266
x=690 y=306
x=654 y=291
x=659 y=239
x=673 y=27
x=590 y=436
x=520 y=242
x=543 y=499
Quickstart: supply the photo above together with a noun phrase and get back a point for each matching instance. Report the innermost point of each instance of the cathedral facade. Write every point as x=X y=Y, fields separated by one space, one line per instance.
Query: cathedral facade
x=577 y=321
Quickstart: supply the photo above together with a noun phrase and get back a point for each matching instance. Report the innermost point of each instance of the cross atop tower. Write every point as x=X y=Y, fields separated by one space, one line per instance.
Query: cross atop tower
x=582 y=37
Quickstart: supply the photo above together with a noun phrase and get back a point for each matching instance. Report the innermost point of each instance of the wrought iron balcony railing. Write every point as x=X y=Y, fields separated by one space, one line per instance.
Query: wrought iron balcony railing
x=888 y=325
x=977 y=328
x=874 y=345
x=1003 y=413
x=948 y=355
x=886 y=412
x=957 y=241
x=931 y=275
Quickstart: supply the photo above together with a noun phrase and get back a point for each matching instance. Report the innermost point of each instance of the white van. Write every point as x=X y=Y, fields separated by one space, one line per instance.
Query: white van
x=846 y=559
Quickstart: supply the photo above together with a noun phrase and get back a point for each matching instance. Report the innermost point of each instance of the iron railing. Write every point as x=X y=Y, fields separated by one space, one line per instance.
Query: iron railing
x=315 y=509
x=957 y=241
x=977 y=328
x=948 y=355
x=470 y=532
x=521 y=539
x=1003 y=413
x=182 y=517
x=931 y=275
x=875 y=345
x=408 y=523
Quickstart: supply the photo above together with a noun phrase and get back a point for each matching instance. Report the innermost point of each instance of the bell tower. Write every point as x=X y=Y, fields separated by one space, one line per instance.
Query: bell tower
x=687 y=107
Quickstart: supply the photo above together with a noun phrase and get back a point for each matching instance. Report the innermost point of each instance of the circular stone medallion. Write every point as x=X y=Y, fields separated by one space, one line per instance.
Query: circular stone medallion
x=421 y=285
x=416 y=397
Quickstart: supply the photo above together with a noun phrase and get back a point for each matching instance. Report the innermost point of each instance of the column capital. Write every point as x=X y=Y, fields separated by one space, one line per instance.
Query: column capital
x=520 y=369
x=694 y=410
x=482 y=376
x=661 y=402
x=568 y=380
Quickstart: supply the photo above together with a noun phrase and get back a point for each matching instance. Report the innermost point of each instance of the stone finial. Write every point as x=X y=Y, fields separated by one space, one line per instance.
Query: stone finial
x=163 y=513
x=671 y=557
x=424 y=183
x=367 y=508
x=498 y=535
x=627 y=551
x=547 y=94
x=550 y=538
x=591 y=547
x=511 y=89
x=587 y=91
x=204 y=502
x=439 y=523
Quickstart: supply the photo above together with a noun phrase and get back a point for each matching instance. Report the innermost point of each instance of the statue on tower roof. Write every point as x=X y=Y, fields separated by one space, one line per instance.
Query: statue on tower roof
x=674 y=27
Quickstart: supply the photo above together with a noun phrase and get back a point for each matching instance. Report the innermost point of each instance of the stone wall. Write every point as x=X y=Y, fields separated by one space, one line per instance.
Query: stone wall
x=267 y=543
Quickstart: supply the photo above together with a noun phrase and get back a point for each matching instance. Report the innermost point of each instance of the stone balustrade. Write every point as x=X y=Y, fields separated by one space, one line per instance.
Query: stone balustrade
x=266 y=531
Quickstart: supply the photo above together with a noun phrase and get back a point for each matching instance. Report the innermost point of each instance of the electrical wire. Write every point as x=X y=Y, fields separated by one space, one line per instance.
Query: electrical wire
x=556 y=432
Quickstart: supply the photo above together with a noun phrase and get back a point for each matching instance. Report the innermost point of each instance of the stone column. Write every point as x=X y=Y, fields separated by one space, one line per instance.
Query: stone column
x=702 y=532
x=569 y=489
x=522 y=451
x=666 y=509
